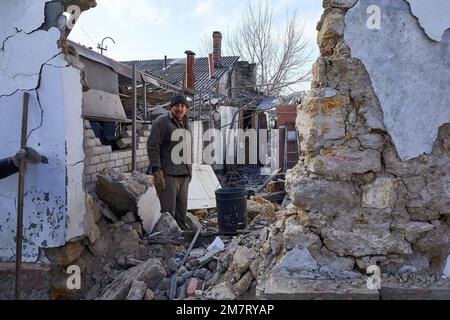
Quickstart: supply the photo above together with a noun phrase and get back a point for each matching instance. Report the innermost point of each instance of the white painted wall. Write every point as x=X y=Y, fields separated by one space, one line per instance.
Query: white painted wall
x=410 y=72
x=54 y=197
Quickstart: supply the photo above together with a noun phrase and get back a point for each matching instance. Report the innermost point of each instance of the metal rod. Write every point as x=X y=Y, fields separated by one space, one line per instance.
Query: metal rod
x=133 y=139
x=21 y=194
x=191 y=246
x=145 y=101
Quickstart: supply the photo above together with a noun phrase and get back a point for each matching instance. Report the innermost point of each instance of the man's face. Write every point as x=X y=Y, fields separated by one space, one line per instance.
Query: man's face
x=179 y=111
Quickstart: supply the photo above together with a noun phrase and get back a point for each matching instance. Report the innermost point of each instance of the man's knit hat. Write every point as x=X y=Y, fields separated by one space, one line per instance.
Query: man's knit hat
x=179 y=98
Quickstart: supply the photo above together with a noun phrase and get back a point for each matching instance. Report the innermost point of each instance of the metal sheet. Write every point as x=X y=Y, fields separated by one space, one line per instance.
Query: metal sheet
x=104 y=105
x=202 y=188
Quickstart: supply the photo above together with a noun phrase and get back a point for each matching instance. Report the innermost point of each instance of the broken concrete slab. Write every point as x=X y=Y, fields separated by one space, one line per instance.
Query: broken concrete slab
x=167 y=226
x=288 y=288
x=134 y=193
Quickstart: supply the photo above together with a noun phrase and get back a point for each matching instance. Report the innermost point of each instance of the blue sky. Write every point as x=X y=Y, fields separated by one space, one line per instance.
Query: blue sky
x=150 y=29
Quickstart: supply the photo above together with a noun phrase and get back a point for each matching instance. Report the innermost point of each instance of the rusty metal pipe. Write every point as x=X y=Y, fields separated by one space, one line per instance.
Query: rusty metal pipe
x=20 y=199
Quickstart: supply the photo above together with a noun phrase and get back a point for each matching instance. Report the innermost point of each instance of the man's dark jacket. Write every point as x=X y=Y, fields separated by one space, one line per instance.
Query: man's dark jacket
x=160 y=145
x=7 y=168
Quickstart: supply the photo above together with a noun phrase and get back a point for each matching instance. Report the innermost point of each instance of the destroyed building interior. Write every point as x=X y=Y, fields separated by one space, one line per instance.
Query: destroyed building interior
x=358 y=172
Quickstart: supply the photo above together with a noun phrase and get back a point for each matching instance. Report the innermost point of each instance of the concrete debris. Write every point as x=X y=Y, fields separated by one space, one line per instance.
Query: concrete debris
x=167 y=225
x=150 y=273
x=138 y=291
x=135 y=193
x=222 y=291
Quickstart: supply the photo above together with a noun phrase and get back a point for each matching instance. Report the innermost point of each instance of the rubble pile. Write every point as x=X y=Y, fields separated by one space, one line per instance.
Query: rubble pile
x=358 y=202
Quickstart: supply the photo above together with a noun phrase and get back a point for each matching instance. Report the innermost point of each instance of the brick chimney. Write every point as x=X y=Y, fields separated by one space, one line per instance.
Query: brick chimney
x=190 y=69
x=211 y=65
x=217 y=49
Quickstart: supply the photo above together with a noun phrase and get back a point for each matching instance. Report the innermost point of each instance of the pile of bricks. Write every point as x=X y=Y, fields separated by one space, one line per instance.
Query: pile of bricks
x=99 y=157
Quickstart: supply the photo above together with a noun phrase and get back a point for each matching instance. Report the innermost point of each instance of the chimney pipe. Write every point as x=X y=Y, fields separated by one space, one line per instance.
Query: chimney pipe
x=217 y=49
x=165 y=62
x=211 y=65
x=190 y=69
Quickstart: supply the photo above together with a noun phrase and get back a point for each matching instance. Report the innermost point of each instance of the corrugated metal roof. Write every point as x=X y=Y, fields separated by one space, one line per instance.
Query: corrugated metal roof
x=174 y=73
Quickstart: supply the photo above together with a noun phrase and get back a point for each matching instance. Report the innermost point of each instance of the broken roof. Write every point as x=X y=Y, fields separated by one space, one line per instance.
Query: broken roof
x=176 y=68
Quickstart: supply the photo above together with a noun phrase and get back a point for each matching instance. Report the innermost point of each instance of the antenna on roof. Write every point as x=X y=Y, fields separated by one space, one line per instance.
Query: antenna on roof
x=100 y=46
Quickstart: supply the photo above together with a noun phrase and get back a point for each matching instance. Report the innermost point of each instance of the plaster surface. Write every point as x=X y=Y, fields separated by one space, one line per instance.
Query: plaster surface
x=410 y=73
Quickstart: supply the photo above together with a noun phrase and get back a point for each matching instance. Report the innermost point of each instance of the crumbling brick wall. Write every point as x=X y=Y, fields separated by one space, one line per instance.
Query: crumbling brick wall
x=351 y=187
x=100 y=157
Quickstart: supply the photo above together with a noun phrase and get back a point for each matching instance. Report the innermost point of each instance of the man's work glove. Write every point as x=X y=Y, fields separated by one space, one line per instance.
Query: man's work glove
x=28 y=154
x=160 y=181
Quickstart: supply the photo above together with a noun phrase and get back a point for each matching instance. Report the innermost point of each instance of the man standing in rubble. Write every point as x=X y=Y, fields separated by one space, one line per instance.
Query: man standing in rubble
x=10 y=166
x=172 y=176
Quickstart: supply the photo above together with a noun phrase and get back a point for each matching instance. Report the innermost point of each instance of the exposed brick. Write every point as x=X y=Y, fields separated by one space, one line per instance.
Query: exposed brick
x=100 y=167
x=89 y=133
x=142 y=146
x=90 y=169
x=87 y=124
x=114 y=156
x=105 y=157
x=124 y=169
x=107 y=149
x=142 y=140
x=119 y=163
x=94 y=178
x=89 y=143
x=98 y=150
x=95 y=160
x=127 y=161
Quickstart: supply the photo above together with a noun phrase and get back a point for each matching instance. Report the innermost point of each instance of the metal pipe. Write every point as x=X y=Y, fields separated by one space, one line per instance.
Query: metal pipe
x=145 y=101
x=134 y=107
x=21 y=195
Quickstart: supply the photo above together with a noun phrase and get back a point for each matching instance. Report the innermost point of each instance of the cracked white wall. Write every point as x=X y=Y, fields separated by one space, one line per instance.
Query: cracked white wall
x=410 y=72
x=55 y=201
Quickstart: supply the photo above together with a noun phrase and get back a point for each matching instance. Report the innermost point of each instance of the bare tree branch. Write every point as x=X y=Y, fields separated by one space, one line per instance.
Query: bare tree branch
x=280 y=58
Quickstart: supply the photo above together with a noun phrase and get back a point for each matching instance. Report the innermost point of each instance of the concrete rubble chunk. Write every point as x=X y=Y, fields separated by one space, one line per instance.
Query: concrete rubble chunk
x=242 y=259
x=244 y=284
x=222 y=291
x=149 y=295
x=90 y=220
x=124 y=193
x=167 y=226
x=151 y=272
x=137 y=291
